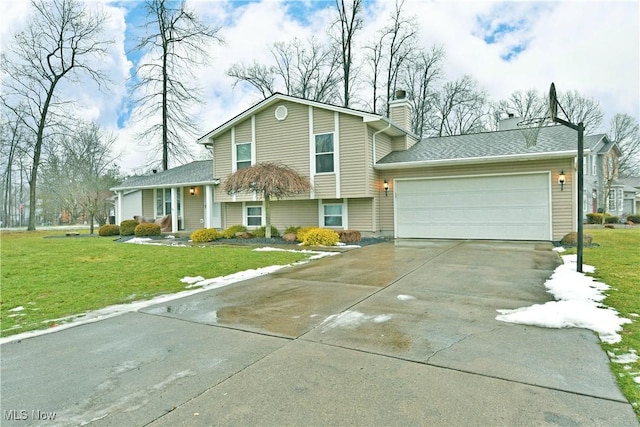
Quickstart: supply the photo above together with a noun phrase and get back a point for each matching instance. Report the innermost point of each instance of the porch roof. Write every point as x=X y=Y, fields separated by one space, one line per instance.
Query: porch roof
x=194 y=173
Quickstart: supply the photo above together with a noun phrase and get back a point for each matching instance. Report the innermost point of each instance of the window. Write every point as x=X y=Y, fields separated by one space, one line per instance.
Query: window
x=616 y=199
x=332 y=215
x=163 y=201
x=594 y=165
x=254 y=216
x=324 y=153
x=243 y=155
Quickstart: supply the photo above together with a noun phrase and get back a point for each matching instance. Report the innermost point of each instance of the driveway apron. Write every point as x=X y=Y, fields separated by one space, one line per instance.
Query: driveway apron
x=395 y=333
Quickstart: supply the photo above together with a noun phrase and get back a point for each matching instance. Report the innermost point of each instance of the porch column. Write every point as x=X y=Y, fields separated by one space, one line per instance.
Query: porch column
x=208 y=204
x=119 y=207
x=174 y=210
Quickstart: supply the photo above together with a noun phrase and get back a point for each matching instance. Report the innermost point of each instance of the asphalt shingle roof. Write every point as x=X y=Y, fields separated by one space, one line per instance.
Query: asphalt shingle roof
x=551 y=139
x=193 y=173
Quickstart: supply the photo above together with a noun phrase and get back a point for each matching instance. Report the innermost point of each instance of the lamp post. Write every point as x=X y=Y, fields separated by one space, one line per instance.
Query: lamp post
x=553 y=105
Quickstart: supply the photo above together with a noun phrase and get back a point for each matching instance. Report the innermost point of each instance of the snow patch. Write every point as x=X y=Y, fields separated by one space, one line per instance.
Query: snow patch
x=630 y=357
x=189 y=280
x=351 y=319
x=16 y=309
x=406 y=297
x=578 y=306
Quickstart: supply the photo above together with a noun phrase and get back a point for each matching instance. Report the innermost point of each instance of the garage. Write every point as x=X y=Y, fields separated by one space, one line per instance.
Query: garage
x=504 y=207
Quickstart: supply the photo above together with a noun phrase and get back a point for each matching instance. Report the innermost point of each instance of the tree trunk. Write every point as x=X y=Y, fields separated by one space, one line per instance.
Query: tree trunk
x=267 y=216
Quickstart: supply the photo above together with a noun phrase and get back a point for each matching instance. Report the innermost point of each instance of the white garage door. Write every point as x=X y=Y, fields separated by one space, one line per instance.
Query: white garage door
x=509 y=207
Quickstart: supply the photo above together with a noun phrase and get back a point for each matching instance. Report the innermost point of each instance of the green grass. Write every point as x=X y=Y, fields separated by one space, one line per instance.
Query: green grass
x=617 y=263
x=53 y=278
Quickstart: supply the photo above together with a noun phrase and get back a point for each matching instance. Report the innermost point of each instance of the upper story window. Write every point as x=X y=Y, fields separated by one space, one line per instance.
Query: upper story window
x=324 y=153
x=594 y=165
x=243 y=155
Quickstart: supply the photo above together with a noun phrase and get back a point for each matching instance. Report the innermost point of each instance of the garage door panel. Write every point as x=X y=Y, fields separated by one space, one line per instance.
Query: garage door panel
x=491 y=207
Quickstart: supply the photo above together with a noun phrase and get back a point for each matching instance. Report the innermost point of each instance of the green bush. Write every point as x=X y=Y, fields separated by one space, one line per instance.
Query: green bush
x=230 y=232
x=634 y=218
x=321 y=237
x=204 y=235
x=292 y=229
x=261 y=232
x=128 y=227
x=109 y=230
x=148 y=229
x=611 y=219
x=302 y=232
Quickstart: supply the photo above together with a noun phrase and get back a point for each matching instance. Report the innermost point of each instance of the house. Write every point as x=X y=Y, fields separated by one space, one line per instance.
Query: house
x=631 y=201
x=371 y=173
x=603 y=192
x=188 y=187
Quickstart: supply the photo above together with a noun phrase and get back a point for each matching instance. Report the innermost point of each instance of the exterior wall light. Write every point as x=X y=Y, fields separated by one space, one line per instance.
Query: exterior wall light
x=192 y=191
x=561 y=180
x=386 y=187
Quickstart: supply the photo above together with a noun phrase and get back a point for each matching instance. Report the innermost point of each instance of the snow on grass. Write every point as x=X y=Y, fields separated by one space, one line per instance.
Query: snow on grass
x=578 y=304
x=406 y=297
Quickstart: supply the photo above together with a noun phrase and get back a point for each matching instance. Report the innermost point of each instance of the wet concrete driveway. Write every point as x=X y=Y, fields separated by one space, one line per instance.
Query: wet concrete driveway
x=391 y=334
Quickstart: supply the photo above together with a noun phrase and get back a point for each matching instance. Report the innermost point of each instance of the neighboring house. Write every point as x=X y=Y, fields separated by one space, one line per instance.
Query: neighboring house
x=603 y=192
x=631 y=202
x=371 y=174
x=189 y=188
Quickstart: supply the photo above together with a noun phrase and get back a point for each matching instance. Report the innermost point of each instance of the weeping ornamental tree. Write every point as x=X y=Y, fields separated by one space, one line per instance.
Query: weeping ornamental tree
x=269 y=180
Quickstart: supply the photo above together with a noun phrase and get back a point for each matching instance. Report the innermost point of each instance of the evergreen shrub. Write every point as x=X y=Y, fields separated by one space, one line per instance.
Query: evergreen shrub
x=231 y=232
x=321 y=237
x=204 y=235
x=109 y=230
x=128 y=227
x=148 y=229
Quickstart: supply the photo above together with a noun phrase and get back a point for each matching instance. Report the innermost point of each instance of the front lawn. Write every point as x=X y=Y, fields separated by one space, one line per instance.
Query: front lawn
x=617 y=263
x=52 y=278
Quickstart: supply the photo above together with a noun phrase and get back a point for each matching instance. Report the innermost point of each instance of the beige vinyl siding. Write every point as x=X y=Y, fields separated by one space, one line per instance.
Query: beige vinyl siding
x=353 y=158
x=284 y=141
x=325 y=186
x=222 y=159
x=243 y=132
x=302 y=213
x=231 y=214
x=563 y=210
x=148 y=203
x=323 y=121
x=383 y=144
x=193 y=208
x=360 y=214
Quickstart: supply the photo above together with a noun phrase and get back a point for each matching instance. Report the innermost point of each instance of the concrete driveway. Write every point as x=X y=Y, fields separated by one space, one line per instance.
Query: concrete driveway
x=400 y=333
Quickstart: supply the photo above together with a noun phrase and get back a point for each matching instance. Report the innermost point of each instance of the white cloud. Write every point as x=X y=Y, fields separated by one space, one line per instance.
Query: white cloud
x=589 y=46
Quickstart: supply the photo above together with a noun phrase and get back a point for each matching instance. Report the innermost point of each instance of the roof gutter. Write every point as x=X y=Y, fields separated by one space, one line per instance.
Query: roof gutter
x=215 y=181
x=475 y=160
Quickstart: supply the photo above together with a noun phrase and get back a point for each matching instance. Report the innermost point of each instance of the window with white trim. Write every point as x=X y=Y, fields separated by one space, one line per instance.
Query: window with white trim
x=324 y=153
x=243 y=155
x=616 y=199
x=163 y=201
x=333 y=215
x=254 y=216
x=594 y=165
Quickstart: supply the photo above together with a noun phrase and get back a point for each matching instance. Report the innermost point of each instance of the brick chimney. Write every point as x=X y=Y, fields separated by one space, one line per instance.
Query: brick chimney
x=400 y=110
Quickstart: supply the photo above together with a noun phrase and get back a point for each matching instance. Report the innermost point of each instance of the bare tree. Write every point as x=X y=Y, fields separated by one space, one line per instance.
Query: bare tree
x=303 y=69
x=399 y=38
x=268 y=180
x=349 y=22
x=175 y=43
x=529 y=104
x=422 y=73
x=374 y=58
x=581 y=109
x=625 y=131
x=461 y=107
x=79 y=172
x=62 y=40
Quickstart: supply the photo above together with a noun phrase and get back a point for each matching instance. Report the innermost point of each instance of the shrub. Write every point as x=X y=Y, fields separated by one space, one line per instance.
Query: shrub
x=261 y=232
x=109 y=230
x=302 y=232
x=148 y=229
x=321 y=237
x=292 y=229
x=611 y=219
x=347 y=236
x=128 y=227
x=230 y=232
x=634 y=218
x=204 y=235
